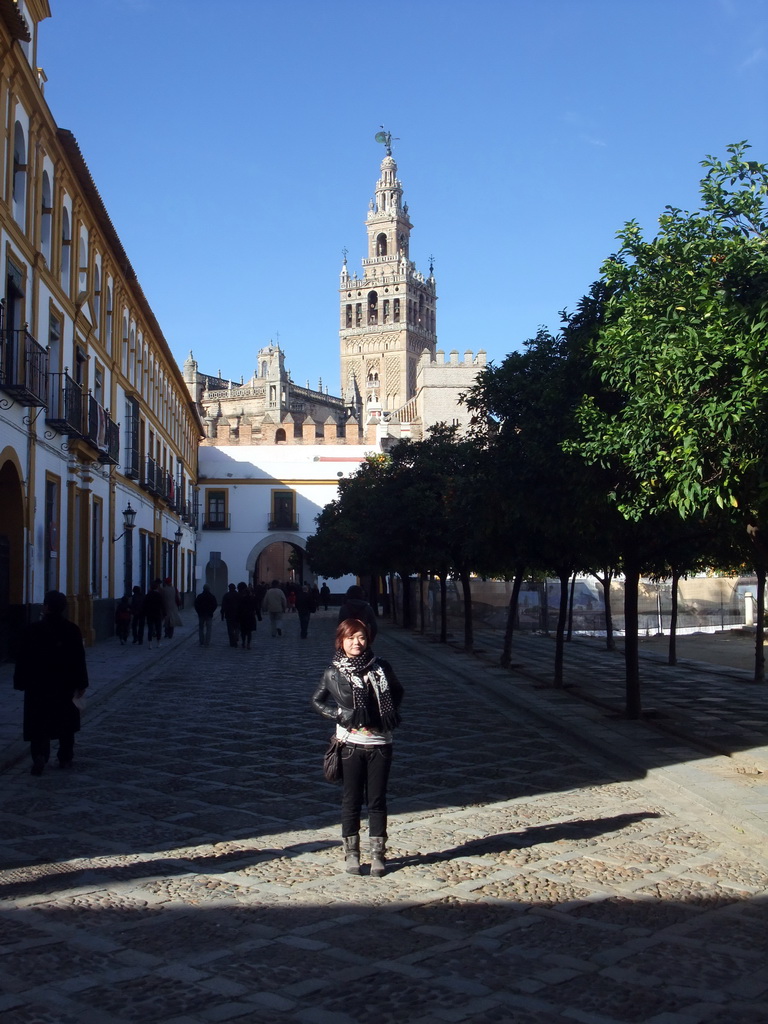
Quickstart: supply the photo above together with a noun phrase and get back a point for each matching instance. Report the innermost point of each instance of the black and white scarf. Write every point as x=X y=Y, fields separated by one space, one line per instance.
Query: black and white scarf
x=370 y=691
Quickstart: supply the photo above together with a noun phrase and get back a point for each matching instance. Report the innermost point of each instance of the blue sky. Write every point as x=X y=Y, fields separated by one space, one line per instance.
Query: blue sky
x=233 y=145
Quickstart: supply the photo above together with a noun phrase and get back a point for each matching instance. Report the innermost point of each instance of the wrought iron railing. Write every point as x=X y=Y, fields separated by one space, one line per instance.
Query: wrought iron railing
x=217 y=521
x=283 y=523
x=65 y=405
x=103 y=433
x=23 y=368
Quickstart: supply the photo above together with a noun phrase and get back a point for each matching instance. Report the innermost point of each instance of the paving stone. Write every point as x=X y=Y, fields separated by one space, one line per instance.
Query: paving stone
x=192 y=873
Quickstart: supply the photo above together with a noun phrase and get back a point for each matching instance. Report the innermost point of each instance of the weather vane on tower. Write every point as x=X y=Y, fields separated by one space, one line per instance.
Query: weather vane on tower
x=385 y=138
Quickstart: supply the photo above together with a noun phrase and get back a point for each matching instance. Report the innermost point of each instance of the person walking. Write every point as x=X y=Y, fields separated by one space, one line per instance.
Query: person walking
x=305 y=606
x=171 y=617
x=137 y=615
x=362 y=695
x=230 y=614
x=325 y=594
x=205 y=605
x=51 y=670
x=259 y=591
x=274 y=605
x=154 y=610
x=246 y=614
x=355 y=606
x=123 y=618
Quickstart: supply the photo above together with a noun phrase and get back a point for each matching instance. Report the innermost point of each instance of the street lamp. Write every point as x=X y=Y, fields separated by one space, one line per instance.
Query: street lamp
x=129 y=522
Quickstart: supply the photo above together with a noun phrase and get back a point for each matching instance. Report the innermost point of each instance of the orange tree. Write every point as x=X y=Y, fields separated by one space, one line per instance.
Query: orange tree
x=684 y=355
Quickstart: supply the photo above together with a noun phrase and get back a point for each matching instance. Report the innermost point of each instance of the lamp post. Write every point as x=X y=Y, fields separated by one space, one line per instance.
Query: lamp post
x=129 y=522
x=177 y=539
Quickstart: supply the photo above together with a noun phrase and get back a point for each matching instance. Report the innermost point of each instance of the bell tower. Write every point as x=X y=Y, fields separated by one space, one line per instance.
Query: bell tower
x=388 y=312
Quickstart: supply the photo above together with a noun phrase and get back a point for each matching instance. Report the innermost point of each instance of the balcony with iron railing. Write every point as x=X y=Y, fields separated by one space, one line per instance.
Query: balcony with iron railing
x=217 y=520
x=151 y=479
x=23 y=368
x=283 y=522
x=102 y=433
x=188 y=512
x=65 y=405
x=132 y=462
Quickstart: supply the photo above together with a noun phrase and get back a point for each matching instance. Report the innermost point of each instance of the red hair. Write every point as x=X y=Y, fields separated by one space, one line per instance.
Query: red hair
x=348 y=628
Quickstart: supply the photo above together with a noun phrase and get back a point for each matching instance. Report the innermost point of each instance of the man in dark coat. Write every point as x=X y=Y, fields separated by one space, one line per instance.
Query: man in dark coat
x=305 y=606
x=205 y=605
x=154 y=609
x=356 y=607
x=51 y=670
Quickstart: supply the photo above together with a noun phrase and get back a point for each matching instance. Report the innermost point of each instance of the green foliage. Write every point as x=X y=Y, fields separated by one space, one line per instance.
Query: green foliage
x=683 y=355
x=413 y=510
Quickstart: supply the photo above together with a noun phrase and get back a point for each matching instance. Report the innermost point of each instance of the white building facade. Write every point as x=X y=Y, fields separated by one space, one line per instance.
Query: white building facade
x=95 y=418
x=258 y=507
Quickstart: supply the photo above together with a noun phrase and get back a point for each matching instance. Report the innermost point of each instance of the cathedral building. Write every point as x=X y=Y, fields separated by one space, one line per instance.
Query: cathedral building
x=387 y=313
x=273 y=452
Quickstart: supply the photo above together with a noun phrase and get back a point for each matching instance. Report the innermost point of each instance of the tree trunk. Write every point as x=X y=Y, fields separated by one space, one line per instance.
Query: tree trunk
x=605 y=583
x=407 y=602
x=760 y=627
x=443 y=607
x=755 y=534
x=514 y=598
x=422 y=576
x=570 y=608
x=562 y=618
x=631 y=650
x=392 y=600
x=469 y=638
x=672 y=659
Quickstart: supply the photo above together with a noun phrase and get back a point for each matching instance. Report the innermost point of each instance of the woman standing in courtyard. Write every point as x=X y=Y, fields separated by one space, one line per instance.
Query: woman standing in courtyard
x=362 y=694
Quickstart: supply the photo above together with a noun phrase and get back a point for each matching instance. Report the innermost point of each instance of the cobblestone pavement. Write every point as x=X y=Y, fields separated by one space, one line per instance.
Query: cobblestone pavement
x=187 y=869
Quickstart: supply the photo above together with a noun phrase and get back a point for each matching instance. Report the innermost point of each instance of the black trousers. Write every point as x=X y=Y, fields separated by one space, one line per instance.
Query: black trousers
x=41 y=748
x=365 y=774
x=233 y=631
x=137 y=628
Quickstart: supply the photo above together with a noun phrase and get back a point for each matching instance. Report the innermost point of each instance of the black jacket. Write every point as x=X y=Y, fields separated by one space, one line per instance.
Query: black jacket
x=333 y=698
x=206 y=604
x=50 y=669
x=361 y=610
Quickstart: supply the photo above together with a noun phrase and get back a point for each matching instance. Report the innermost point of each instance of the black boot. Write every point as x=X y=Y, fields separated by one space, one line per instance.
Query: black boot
x=378 y=866
x=351 y=854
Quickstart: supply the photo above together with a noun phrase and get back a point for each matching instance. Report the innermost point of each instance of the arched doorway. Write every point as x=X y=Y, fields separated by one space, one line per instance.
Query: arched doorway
x=278 y=557
x=217 y=575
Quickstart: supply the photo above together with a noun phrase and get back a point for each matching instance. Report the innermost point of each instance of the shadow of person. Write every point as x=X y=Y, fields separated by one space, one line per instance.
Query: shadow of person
x=578 y=828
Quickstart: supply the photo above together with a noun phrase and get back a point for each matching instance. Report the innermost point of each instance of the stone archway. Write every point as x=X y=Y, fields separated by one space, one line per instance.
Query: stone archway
x=263 y=568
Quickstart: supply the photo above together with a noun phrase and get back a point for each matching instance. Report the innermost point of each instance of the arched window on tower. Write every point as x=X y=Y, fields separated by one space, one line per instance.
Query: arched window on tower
x=19 y=183
x=46 y=220
x=385 y=314
x=381 y=245
x=66 y=249
x=421 y=311
x=396 y=311
x=349 y=315
x=373 y=307
x=358 y=314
